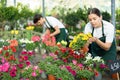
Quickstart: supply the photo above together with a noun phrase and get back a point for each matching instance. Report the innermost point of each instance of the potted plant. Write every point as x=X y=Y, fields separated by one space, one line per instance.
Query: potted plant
x=52 y=66
x=84 y=74
x=79 y=41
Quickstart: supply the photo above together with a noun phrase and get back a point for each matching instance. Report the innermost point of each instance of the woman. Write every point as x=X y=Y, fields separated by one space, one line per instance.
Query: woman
x=53 y=26
x=103 y=41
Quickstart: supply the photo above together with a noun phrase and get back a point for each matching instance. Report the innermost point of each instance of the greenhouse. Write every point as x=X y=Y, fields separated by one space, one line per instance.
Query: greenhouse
x=59 y=39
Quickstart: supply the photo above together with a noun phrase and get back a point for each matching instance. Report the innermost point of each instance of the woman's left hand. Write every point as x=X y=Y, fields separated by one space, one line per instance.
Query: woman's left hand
x=93 y=39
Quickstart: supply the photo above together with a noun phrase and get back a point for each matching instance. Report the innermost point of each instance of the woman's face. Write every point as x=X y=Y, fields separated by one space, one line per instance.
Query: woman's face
x=95 y=20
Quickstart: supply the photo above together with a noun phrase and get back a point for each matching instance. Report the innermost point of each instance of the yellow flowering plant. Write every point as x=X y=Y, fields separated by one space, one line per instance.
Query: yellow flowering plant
x=28 y=33
x=117 y=32
x=79 y=41
x=118 y=37
x=14 y=33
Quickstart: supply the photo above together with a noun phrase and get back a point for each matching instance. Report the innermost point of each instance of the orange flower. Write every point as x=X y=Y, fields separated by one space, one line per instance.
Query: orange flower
x=13 y=42
x=49 y=41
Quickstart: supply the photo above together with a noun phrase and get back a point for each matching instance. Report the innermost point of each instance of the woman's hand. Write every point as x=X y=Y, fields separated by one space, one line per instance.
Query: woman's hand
x=92 y=39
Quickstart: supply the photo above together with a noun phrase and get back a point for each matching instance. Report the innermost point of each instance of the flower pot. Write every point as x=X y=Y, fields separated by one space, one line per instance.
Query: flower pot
x=51 y=77
x=83 y=79
x=43 y=75
x=114 y=76
x=98 y=77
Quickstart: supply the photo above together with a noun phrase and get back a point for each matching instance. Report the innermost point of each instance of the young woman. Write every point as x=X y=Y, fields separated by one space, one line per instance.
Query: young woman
x=103 y=41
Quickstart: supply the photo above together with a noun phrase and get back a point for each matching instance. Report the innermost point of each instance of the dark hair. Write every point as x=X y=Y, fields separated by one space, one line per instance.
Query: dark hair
x=36 y=18
x=94 y=11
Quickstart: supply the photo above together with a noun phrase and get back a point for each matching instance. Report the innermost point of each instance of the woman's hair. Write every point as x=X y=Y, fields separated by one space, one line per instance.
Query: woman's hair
x=36 y=18
x=94 y=11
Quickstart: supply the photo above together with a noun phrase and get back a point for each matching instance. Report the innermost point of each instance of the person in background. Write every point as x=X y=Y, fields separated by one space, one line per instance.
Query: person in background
x=102 y=42
x=53 y=26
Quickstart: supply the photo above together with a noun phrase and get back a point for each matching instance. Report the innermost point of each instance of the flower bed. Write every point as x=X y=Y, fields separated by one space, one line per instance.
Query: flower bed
x=65 y=63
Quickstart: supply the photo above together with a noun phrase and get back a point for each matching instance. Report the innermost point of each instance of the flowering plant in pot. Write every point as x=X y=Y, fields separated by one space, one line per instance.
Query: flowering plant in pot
x=30 y=73
x=81 y=71
x=53 y=65
x=97 y=64
x=79 y=41
x=48 y=43
x=12 y=63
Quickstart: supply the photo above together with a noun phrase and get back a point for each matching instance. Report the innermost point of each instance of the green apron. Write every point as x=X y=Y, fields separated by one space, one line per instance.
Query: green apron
x=107 y=56
x=61 y=36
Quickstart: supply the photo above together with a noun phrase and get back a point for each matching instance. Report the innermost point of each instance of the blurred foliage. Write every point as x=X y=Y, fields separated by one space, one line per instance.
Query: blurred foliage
x=69 y=17
x=8 y=14
x=106 y=16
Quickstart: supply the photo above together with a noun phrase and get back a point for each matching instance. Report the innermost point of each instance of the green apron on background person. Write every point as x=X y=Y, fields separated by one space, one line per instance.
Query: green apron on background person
x=61 y=36
x=107 y=56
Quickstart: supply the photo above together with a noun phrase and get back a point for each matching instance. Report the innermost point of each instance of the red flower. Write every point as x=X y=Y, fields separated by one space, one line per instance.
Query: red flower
x=5 y=48
x=7 y=54
x=1 y=51
x=13 y=49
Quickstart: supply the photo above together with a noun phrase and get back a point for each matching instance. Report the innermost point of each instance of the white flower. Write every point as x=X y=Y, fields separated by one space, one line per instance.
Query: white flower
x=25 y=41
x=89 y=56
x=97 y=58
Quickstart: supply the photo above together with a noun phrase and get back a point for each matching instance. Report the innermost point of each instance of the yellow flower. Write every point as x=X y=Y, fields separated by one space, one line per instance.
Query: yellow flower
x=63 y=42
x=79 y=41
x=89 y=35
x=12 y=31
x=30 y=28
x=16 y=31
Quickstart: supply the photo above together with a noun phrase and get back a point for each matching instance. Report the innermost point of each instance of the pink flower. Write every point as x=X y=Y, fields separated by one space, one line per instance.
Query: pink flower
x=44 y=56
x=27 y=63
x=24 y=52
x=53 y=55
x=12 y=73
x=0 y=68
x=73 y=72
x=40 y=71
x=62 y=66
x=74 y=62
x=25 y=58
x=20 y=65
x=80 y=65
x=30 y=53
x=3 y=60
x=5 y=67
x=34 y=74
x=14 y=68
x=35 y=38
x=35 y=67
